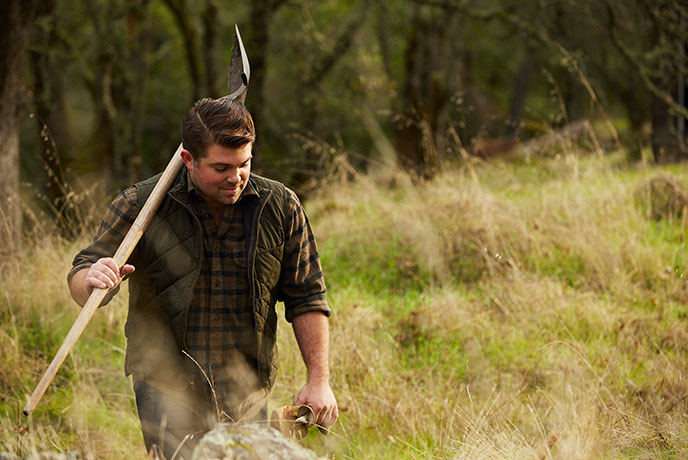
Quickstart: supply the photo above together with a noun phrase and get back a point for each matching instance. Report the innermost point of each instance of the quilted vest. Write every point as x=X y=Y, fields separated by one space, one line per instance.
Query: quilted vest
x=168 y=263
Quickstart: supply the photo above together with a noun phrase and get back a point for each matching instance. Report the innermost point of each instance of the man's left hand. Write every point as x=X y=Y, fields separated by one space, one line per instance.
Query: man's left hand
x=319 y=396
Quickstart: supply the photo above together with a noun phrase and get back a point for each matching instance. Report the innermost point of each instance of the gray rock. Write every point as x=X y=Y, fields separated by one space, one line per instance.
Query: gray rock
x=72 y=455
x=249 y=442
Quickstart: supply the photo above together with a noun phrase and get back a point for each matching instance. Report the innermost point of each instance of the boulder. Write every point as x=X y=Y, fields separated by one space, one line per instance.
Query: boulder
x=662 y=197
x=249 y=442
x=73 y=455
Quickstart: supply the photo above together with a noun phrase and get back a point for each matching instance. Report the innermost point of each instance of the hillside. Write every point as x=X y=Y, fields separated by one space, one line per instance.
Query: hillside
x=521 y=310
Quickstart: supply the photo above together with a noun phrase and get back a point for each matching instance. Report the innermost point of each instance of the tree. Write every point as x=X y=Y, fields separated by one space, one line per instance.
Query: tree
x=658 y=55
x=260 y=18
x=421 y=122
x=52 y=117
x=16 y=20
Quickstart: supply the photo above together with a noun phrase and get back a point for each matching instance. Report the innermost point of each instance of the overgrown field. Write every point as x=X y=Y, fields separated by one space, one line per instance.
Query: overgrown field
x=520 y=310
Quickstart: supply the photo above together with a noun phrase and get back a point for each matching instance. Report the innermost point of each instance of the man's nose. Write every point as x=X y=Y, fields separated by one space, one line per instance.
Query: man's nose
x=234 y=176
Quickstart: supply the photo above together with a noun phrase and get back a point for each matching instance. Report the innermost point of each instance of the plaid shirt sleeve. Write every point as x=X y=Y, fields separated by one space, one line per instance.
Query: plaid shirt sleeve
x=118 y=218
x=301 y=285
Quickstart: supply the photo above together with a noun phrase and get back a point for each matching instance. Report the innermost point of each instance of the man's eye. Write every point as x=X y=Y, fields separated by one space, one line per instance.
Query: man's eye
x=220 y=169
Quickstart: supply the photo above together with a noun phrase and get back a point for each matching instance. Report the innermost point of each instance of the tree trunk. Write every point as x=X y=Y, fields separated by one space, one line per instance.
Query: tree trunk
x=181 y=15
x=16 y=19
x=53 y=122
x=136 y=75
x=636 y=103
x=107 y=86
x=315 y=158
x=518 y=97
x=210 y=26
x=420 y=125
x=55 y=134
x=101 y=144
x=382 y=34
x=665 y=141
x=259 y=29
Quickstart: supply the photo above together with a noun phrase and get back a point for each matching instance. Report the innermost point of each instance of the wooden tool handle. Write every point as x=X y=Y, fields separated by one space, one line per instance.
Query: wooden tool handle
x=123 y=252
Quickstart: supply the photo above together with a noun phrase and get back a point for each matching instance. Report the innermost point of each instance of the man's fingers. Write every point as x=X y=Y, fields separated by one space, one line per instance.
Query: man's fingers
x=110 y=278
x=106 y=269
x=331 y=417
x=96 y=283
x=110 y=263
x=326 y=417
x=106 y=274
x=99 y=280
x=319 y=417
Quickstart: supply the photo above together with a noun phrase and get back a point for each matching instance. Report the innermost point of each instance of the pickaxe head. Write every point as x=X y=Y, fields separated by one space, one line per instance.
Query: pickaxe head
x=239 y=70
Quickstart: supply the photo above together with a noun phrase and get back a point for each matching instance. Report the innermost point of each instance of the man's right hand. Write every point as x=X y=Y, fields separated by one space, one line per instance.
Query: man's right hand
x=104 y=274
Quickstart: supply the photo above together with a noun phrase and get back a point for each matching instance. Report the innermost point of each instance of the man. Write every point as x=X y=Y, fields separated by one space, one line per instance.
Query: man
x=223 y=248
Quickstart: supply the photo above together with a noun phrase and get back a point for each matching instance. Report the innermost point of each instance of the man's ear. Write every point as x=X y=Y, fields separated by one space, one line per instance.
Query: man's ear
x=188 y=159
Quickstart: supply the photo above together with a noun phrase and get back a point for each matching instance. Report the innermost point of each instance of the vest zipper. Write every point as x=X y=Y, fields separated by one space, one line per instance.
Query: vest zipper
x=252 y=248
x=185 y=347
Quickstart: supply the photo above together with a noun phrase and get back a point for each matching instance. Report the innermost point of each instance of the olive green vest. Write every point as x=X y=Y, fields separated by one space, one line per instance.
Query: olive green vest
x=168 y=263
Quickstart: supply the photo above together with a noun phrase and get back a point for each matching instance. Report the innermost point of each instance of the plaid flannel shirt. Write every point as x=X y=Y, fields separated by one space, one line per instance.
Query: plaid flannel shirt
x=220 y=331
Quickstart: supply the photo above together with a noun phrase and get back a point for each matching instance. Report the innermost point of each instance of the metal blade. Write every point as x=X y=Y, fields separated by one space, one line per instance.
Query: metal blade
x=239 y=70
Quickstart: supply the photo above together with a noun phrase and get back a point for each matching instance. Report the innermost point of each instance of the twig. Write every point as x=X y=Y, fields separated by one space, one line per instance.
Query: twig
x=210 y=384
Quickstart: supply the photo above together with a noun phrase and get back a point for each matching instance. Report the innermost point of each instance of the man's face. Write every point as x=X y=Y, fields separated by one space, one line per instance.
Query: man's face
x=222 y=175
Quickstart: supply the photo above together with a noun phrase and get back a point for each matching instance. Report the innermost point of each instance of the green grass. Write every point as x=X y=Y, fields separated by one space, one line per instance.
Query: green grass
x=523 y=310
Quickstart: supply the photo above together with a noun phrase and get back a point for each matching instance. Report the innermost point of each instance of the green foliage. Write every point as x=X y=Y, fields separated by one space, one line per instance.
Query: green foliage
x=118 y=77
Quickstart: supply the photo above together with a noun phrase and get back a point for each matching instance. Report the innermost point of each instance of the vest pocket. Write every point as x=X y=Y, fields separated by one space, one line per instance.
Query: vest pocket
x=269 y=265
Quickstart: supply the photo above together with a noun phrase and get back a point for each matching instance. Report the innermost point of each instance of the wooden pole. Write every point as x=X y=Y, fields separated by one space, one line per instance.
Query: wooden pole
x=123 y=252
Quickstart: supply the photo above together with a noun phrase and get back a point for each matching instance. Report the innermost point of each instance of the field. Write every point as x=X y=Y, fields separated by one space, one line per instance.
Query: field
x=521 y=309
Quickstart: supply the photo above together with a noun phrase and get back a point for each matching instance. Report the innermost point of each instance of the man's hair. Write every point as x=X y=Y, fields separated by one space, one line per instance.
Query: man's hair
x=216 y=121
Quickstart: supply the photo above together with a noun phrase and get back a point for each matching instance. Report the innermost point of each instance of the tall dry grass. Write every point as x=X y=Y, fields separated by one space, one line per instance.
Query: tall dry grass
x=89 y=407
x=523 y=309
x=504 y=311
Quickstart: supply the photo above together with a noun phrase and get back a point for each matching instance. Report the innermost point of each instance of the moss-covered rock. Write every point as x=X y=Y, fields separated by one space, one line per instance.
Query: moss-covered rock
x=249 y=442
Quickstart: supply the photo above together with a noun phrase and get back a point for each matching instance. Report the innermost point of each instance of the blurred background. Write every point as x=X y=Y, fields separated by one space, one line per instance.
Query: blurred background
x=92 y=93
x=497 y=189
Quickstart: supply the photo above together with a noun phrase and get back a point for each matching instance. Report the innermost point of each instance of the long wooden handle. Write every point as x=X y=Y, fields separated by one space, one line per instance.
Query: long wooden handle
x=123 y=252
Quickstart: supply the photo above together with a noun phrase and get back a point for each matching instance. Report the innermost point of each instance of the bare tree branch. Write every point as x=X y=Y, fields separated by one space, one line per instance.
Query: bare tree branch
x=340 y=48
x=643 y=71
x=538 y=34
x=181 y=15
